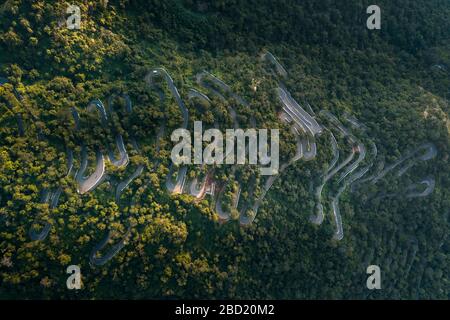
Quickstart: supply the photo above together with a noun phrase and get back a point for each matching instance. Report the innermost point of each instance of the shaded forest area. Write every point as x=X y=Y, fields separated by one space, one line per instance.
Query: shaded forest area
x=394 y=80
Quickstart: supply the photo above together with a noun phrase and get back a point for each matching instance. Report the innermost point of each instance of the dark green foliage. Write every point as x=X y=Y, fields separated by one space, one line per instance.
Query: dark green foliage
x=388 y=79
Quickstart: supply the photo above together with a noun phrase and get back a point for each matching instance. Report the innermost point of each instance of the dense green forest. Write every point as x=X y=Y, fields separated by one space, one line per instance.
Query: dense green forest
x=394 y=81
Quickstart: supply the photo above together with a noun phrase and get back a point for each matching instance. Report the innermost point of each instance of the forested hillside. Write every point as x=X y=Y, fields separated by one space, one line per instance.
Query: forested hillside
x=389 y=87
